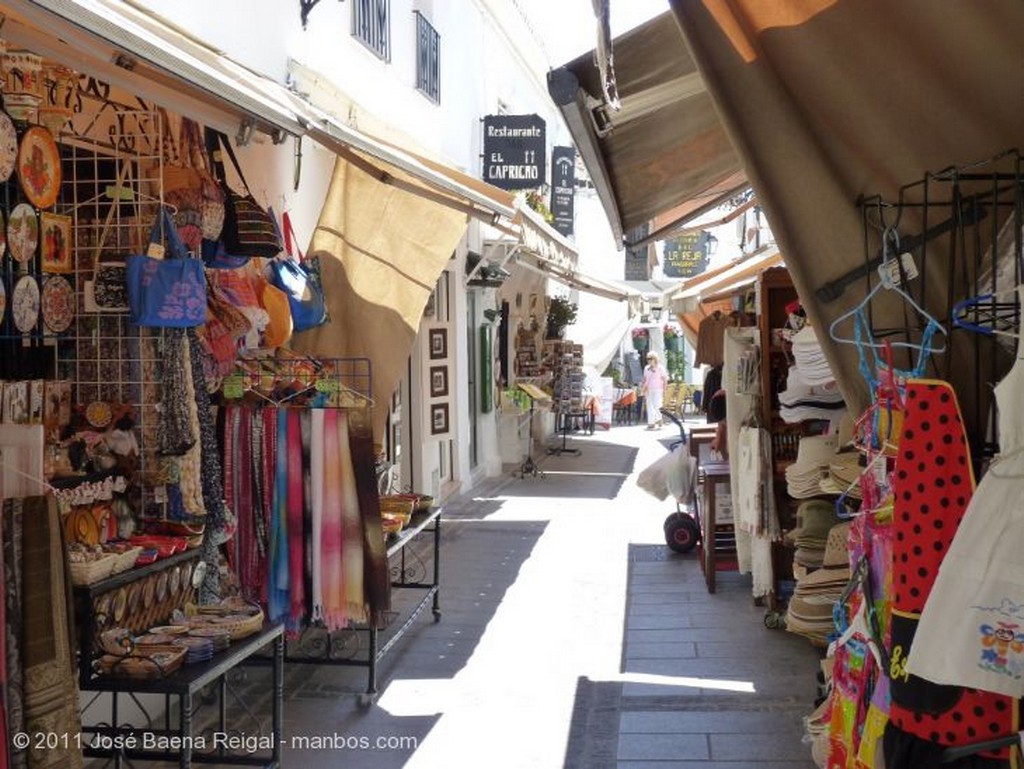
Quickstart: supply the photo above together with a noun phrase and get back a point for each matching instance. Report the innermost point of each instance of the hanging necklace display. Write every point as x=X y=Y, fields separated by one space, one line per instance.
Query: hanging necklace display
x=8 y=146
x=25 y=304
x=23 y=232
x=58 y=304
x=39 y=167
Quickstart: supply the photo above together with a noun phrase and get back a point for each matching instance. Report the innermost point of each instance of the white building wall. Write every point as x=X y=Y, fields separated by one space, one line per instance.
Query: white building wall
x=490 y=62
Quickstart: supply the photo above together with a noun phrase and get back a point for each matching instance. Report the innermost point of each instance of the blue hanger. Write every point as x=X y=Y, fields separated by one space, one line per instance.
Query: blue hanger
x=965 y=305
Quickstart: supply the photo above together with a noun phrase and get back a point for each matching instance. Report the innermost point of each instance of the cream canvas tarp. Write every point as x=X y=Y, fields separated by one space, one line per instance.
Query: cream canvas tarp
x=381 y=249
x=829 y=100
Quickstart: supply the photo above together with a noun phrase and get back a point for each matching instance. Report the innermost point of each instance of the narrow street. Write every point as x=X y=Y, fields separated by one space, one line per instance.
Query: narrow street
x=571 y=636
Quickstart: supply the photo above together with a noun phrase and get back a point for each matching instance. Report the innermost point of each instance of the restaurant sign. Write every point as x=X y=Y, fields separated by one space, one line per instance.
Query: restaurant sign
x=686 y=255
x=514 y=151
x=563 y=187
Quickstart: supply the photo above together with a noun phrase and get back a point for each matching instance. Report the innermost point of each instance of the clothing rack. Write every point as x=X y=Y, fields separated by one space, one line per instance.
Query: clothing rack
x=293 y=381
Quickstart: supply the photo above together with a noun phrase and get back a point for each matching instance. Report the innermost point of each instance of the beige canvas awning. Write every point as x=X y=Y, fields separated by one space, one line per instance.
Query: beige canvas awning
x=665 y=147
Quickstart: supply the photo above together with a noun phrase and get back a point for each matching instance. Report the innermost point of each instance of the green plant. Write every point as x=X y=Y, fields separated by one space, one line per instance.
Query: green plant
x=561 y=313
x=535 y=200
x=671 y=332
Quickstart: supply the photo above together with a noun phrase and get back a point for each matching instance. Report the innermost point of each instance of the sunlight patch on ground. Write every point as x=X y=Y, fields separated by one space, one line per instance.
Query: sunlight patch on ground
x=719 y=684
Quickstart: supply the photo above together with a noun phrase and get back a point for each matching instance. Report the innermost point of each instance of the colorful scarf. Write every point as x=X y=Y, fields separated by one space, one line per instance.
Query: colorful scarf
x=296 y=561
x=278 y=600
x=269 y=468
x=316 y=473
x=332 y=607
x=353 y=595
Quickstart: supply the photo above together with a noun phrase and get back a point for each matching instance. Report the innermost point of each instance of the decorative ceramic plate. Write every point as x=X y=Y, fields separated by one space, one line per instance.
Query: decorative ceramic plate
x=58 y=303
x=3 y=301
x=23 y=232
x=134 y=595
x=25 y=304
x=99 y=414
x=3 y=234
x=175 y=580
x=161 y=586
x=8 y=146
x=39 y=167
x=120 y=603
x=148 y=591
x=186 y=575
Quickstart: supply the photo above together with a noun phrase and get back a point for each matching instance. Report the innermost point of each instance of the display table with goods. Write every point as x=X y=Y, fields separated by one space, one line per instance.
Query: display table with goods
x=414 y=564
x=175 y=674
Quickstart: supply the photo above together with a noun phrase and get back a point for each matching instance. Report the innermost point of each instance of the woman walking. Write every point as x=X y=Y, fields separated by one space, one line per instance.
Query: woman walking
x=653 y=389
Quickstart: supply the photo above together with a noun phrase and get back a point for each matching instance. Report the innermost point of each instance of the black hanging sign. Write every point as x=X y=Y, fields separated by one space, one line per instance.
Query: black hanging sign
x=514 y=148
x=686 y=256
x=563 y=187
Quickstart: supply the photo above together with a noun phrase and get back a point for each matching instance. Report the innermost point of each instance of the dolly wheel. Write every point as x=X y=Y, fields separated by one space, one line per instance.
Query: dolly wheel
x=681 y=532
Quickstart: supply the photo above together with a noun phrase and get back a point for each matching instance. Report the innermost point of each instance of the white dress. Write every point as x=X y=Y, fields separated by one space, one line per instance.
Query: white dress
x=971 y=631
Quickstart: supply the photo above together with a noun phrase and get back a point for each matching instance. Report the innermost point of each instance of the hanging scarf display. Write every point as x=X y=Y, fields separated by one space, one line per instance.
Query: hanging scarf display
x=317 y=463
x=175 y=435
x=377 y=586
x=278 y=600
x=296 y=560
x=269 y=418
x=353 y=597
x=332 y=609
x=12 y=520
x=306 y=429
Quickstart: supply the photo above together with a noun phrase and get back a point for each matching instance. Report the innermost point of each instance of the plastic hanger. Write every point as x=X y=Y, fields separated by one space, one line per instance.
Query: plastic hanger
x=861 y=332
x=994 y=308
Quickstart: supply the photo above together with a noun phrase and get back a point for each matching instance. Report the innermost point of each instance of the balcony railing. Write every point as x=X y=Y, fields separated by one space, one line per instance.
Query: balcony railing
x=428 y=59
x=371 y=25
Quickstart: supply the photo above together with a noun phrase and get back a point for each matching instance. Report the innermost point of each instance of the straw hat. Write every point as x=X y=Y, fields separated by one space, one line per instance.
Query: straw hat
x=815 y=519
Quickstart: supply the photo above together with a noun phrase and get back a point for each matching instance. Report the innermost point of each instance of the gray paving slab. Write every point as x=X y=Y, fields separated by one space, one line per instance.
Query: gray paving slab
x=663 y=747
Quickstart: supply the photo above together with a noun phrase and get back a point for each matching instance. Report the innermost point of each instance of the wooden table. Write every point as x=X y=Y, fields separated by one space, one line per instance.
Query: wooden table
x=713 y=473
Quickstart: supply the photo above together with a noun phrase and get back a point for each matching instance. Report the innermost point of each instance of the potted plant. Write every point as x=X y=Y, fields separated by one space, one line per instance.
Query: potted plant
x=561 y=313
x=673 y=338
x=641 y=338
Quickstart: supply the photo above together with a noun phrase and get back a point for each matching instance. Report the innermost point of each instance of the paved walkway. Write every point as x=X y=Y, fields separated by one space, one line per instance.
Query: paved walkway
x=571 y=636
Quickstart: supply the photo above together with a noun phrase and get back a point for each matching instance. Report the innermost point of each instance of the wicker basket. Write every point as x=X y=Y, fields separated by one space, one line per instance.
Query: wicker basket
x=125 y=560
x=90 y=572
x=157 y=662
x=398 y=504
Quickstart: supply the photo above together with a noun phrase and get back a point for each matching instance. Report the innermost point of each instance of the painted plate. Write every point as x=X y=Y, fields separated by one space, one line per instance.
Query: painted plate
x=23 y=232
x=25 y=304
x=148 y=591
x=161 y=586
x=3 y=301
x=58 y=303
x=175 y=580
x=120 y=603
x=39 y=167
x=8 y=146
x=99 y=414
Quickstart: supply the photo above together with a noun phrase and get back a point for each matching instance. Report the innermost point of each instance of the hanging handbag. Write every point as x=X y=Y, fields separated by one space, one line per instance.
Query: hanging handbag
x=248 y=228
x=166 y=292
x=211 y=203
x=107 y=291
x=299 y=278
x=182 y=185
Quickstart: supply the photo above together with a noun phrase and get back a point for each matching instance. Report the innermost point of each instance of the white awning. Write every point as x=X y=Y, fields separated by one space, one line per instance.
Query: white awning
x=135 y=51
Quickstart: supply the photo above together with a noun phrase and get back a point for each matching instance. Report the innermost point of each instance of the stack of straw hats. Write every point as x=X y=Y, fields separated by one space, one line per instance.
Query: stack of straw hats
x=810 y=609
x=815 y=518
x=813 y=455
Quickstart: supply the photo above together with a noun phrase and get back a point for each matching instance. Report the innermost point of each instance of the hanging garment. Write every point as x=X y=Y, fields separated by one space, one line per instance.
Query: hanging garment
x=317 y=483
x=377 y=583
x=972 y=628
x=331 y=608
x=932 y=488
x=14 y=627
x=296 y=560
x=352 y=594
x=269 y=418
x=176 y=435
x=710 y=338
x=50 y=688
x=278 y=597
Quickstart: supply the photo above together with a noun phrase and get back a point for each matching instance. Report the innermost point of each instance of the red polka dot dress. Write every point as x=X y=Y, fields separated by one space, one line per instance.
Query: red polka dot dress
x=932 y=487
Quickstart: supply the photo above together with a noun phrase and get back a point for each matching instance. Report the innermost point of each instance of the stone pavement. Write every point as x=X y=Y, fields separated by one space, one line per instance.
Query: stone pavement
x=570 y=637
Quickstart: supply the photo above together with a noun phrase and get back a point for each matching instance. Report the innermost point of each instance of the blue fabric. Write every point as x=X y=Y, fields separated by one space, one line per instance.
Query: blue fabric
x=278 y=593
x=168 y=292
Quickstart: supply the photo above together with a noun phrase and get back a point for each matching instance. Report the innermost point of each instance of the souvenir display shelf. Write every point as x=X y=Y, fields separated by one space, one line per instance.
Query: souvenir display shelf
x=101 y=738
x=411 y=568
